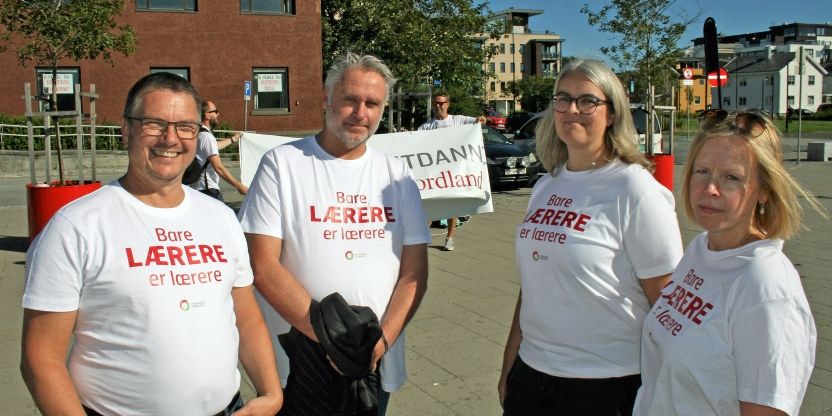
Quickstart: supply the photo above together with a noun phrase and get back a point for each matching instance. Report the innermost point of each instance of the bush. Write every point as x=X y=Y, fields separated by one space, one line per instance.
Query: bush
x=14 y=134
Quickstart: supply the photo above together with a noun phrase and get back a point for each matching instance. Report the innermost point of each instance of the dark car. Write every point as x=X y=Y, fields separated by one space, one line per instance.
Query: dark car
x=495 y=120
x=516 y=119
x=524 y=136
x=507 y=162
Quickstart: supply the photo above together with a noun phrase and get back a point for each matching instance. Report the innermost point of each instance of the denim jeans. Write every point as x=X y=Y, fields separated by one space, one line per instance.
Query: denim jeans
x=531 y=392
x=383 y=401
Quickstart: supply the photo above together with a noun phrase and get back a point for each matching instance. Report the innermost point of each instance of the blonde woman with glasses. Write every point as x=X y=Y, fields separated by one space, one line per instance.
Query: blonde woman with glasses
x=598 y=242
x=732 y=333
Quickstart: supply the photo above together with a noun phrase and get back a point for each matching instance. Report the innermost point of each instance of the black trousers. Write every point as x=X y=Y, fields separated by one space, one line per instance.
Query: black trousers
x=531 y=392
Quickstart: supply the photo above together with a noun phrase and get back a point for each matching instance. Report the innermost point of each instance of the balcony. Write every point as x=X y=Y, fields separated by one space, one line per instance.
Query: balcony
x=549 y=56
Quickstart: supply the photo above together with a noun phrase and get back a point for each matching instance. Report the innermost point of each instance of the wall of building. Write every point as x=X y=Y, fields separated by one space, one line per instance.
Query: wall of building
x=221 y=46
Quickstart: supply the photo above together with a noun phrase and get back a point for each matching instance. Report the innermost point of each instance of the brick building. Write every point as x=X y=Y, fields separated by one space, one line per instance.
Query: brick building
x=217 y=45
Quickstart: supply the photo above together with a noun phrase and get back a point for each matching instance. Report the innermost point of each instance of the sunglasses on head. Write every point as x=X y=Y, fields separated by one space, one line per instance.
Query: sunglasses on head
x=748 y=122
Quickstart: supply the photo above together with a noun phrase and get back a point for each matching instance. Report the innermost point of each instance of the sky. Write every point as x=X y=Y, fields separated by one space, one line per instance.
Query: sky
x=563 y=17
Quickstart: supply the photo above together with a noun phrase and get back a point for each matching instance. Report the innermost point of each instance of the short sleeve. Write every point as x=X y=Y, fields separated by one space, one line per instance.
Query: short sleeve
x=774 y=353
x=651 y=234
x=54 y=268
x=261 y=212
x=245 y=276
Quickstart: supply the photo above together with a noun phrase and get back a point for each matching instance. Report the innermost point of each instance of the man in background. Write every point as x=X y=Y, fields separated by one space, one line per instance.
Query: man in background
x=208 y=150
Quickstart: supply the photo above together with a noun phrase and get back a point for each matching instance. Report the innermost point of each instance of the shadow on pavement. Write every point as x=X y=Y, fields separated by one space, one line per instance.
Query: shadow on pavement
x=18 y=244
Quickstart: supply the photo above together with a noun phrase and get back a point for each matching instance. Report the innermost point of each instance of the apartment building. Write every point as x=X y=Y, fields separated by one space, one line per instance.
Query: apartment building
x=520 y=52
x=218 y=45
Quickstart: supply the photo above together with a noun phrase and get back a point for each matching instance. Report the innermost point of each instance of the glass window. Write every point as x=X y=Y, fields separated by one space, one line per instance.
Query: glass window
x=523 y=48
x=167 y=5
x=66 y=80
x=271 y=89
x=502 y=86
x=741 y=100
x=697 y=99
x=742 y=82
x=512 y=48
x=811 y=80
x=791 y=100
x=810 y=100
x=512 y=67
x=182 y=72
x=502 y=48
x=791 y=79
x=268 y=6
x=493 y=86
x=502 y=67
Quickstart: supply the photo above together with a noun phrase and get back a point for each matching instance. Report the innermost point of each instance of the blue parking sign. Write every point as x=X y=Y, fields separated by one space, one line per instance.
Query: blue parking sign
x=247 y=90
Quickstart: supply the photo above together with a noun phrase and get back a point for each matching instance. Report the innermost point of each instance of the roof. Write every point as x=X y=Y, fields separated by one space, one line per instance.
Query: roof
x=514 y=10
x=759 y=63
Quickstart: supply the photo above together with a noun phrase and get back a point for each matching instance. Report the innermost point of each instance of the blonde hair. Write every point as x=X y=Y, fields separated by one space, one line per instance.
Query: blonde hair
x=783 y=212
x=620 y=138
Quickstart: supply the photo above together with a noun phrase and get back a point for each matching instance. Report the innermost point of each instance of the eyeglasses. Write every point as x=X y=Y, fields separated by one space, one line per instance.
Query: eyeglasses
x=213 y=111
x=440 y=103
x=750 y=122
x=186 y=130
x=586 y=104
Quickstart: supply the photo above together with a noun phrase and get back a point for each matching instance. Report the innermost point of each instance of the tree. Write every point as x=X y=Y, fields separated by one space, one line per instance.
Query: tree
x=420 y=40
x=535 y=92
x=648 y=38
x=47 y=31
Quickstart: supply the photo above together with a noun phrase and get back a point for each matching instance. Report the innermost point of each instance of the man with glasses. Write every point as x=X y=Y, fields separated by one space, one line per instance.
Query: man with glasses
x=208 y=156
x=442 y=119
x=149 y=282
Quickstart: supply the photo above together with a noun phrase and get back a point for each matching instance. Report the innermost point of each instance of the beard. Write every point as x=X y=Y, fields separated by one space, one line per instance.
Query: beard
x=214 y=123
x=349 y=141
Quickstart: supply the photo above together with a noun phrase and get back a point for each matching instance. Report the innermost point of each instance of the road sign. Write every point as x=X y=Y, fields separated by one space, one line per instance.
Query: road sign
x=688 y=73
x=723 y=77
x=437 y=82
x=247 y=90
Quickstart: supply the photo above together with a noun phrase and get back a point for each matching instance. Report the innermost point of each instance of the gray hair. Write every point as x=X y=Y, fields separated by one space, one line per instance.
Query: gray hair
x=620 y=138
x=350 y=61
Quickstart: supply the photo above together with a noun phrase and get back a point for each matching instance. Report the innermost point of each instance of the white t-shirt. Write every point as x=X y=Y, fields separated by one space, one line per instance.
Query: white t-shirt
x=155 y=332
x=585 y=241
x=343 y=224
x=450 y=121
x=207 y=147
x=733 y=325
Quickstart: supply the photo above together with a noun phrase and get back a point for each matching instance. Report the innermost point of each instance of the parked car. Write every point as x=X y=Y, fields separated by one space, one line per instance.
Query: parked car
x=495 y=120
x=507 y=162
x=804 y=112
x=524 y=136
x=536 y=169
x=516 y=119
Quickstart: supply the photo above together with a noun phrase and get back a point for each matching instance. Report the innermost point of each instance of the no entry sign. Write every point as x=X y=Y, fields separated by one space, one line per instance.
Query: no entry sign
x=723 y=77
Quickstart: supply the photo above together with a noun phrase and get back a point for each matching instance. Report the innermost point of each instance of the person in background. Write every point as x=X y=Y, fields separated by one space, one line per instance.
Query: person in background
x=208 y=150
x=149 y=282
x=442 y=119
x=329 y=214
x=597 y=244
x=732 y=333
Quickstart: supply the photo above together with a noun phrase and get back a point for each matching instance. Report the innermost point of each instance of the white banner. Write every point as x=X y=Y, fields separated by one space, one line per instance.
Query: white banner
x=449 y=165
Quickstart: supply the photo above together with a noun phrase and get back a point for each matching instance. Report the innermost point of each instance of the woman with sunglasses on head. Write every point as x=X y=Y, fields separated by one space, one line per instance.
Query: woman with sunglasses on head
x=732 y=333
x=598 y=242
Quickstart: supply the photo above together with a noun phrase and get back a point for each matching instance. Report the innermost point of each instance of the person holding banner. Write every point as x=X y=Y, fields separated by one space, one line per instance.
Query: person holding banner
x=598 y=242
x=442 y=119
x=207 y=154
x=732 y=334
x=329 y=214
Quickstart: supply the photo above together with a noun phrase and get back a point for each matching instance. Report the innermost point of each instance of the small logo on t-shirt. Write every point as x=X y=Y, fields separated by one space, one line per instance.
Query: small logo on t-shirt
x=184 y=305
x=349 y=255
x=537 y=256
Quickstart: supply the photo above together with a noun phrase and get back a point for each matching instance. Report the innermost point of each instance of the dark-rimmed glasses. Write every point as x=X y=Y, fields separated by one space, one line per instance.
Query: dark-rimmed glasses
x=440 y=103
x=186 y=130
x=586 y=104
x=750 y=122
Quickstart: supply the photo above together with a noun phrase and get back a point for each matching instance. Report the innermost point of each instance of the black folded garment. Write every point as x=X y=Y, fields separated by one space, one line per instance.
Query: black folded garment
x=347 y=335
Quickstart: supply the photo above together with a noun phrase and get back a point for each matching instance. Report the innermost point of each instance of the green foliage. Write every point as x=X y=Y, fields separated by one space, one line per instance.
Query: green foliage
x=648 y=39
x=50 y=30
x=465 y=103
x=535 y=92
x=420 y=40
x=14 y=135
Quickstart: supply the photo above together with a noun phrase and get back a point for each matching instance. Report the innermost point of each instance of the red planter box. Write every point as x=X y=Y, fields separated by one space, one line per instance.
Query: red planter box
x=44 y=201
